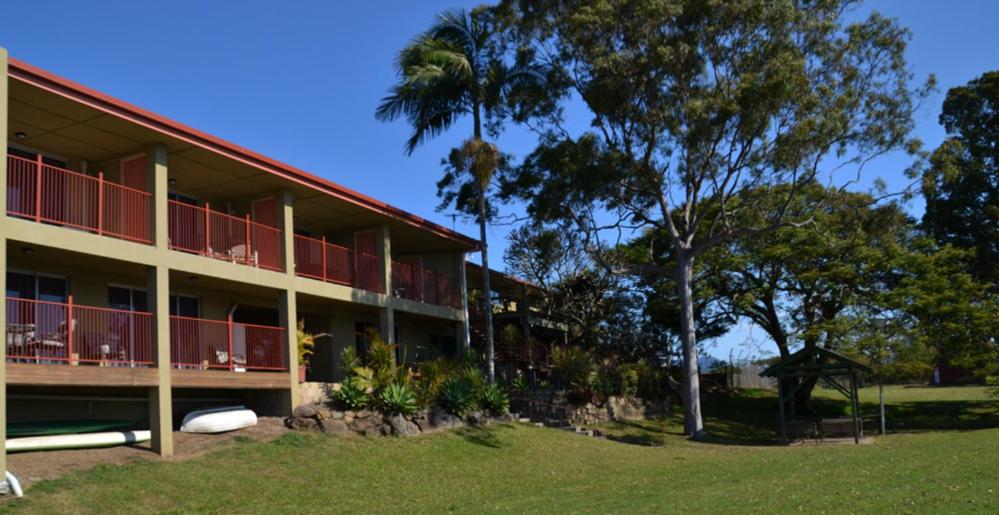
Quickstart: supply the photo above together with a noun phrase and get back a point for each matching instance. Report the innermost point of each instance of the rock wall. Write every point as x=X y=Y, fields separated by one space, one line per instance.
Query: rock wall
x=321 y=417
x=556 y=410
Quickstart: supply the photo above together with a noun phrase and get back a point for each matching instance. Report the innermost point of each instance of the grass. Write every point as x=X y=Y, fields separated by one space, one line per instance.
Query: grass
x=517 y=468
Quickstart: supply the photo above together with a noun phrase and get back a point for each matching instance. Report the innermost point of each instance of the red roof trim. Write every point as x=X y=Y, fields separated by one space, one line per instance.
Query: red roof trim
x=42 y=79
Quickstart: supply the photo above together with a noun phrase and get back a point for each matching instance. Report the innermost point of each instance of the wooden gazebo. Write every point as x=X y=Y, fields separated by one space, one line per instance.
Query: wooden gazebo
x=824 y=365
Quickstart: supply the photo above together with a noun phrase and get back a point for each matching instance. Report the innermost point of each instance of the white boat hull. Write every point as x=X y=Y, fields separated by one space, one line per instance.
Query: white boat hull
x=219 y=420
x=80 y=441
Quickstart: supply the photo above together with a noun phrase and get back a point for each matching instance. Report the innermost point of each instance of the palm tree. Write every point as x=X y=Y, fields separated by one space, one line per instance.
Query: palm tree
x=445 y=73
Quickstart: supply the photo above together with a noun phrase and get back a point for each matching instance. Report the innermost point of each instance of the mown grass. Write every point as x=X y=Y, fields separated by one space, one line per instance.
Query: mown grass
x=517 y=468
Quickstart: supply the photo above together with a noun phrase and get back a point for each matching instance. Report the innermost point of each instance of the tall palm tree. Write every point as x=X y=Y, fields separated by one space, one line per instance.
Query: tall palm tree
x=445 y=73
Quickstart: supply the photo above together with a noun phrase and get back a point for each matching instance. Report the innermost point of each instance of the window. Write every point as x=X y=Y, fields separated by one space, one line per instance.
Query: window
x=127 y=298
x=185 y=306
x=34 y=286
x=183 y=199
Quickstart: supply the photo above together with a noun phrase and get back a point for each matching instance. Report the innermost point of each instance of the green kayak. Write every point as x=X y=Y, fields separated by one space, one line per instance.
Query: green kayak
x=65 y=427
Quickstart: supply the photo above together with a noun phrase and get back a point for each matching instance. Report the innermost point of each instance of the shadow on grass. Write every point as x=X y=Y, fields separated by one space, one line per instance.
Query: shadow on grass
x=484 y=436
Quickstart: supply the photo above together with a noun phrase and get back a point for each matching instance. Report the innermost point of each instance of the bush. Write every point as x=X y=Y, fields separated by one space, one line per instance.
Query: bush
x=519 y=384
x=397 y=398
x=628 y=375
x=456 y=397
x=475 y=378
x=494 y=400
x=432 y=376
x=993 y=386
x=351 y=396
x=575 y=369
x=652 y=383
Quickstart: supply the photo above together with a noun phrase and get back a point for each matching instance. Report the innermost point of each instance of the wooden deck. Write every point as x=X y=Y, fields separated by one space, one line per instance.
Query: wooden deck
x=65 y=375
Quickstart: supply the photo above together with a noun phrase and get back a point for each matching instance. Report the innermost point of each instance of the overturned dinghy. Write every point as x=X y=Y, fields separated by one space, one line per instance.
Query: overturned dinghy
x=218 y=420
x=80 y=441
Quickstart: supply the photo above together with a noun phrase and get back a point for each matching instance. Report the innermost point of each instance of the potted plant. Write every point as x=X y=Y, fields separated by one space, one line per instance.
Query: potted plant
x=306 y=344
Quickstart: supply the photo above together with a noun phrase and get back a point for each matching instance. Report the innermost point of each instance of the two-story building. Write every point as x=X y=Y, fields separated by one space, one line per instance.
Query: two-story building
x=151 y=269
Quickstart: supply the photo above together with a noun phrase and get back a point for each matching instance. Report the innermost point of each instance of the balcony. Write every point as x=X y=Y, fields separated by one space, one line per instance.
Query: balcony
x=324 y=261
x=43 y=193
x=200 y=230
x=56 y=333
x=424 y=285
x=201 y=344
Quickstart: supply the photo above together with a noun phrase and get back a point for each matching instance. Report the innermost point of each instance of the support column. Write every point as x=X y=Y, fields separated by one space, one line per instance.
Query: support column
x=157 y=181
x=288 y=298
x=288 y=318
x=160 y=396
x=3 y=258
x=386 y=315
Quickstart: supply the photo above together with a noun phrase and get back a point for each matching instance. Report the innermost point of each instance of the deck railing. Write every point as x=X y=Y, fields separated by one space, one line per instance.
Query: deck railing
x=67 y=333
x=200 y=230
x=202 y=344
x=45 y=193
x=424 y=285
x=324 y=261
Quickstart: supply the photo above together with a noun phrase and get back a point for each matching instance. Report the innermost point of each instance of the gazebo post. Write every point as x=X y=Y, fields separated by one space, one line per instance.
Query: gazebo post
x=780 y=403
x=856 y=406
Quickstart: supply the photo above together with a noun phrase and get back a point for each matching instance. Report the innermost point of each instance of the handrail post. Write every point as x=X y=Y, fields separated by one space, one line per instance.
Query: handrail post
x=323 y=249
x=100 y=203
x=208 y=229
x=38 y=188
x=246 y=251
x=229 y=324
x=69 y=329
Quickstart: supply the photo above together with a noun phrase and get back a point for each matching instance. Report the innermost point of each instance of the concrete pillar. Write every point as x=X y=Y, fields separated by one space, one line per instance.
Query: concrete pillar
x=286 y=222
x=157 y=181
x=3 y=254
x=288 y=318
x=160 y=396
x=386 y=323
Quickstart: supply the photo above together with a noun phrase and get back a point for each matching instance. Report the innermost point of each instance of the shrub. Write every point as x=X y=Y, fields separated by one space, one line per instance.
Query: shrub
x=456 y=397
x=574 y=369
x=628 y=374
x=519 y=384
x=993 y=386
x=351 y=396
x=475 y=378
x=652 y=383
x=432 y=375
x=494 y=400
x=397 y=398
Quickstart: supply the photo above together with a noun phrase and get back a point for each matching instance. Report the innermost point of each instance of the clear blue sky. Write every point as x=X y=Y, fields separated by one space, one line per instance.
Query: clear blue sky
x=299 y=81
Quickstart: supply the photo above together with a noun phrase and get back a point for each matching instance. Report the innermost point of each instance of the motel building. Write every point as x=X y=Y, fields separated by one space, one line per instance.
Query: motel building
x=151 y=269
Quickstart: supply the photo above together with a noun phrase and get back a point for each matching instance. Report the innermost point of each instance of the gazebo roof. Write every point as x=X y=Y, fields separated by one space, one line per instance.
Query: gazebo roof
x=814 y=361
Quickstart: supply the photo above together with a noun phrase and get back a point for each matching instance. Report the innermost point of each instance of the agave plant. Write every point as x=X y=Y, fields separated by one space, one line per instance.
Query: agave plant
x=456 y=397
x=351 y=396
x=397 y=398
x=494 y=400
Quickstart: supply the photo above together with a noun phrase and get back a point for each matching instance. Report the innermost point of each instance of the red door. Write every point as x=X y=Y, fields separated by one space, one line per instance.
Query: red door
x=265 y=211
x=133 y=173
x=367 y=263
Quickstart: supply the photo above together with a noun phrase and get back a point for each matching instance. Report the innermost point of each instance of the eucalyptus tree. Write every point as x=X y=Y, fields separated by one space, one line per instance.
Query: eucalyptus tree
x=689 y=103
x=450 y=71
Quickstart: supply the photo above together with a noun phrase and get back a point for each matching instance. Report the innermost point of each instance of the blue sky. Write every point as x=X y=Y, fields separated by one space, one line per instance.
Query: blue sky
x=300 y=82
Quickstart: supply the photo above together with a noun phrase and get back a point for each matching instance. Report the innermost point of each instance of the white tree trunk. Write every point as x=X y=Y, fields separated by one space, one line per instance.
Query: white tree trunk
x=487 y=305
x=693 y=424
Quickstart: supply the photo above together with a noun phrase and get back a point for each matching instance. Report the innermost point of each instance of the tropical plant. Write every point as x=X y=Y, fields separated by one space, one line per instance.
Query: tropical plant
x=306 y=342
x=519 y=384
x=494 y=400
x=456 y=397
x=351 y=396
x=476 y=380
x=449 y=71
x=398 y=398
x=432 y=375
x=627 y=374
x=574 y=368
x=350 y=360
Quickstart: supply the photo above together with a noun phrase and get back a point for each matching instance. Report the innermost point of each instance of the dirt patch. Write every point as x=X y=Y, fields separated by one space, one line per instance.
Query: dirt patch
x=32 y=467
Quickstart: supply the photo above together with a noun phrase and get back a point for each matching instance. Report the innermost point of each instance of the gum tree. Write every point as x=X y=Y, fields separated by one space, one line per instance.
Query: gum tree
x=689 y=103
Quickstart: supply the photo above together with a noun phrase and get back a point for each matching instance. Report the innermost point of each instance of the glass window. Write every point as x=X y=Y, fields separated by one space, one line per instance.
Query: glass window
x=185 y=306
x=21 y=286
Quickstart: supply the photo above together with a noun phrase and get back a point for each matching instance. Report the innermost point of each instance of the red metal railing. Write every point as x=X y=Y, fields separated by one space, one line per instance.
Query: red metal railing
x=319 y=259
x=325 y=261
x=66 y=333
x=225 y=345
x=53 y=195
x=424 y=285
x=200 y=230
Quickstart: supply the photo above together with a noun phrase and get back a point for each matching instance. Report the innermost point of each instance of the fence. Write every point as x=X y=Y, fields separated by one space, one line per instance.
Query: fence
x=49 y=194
x=324 y=261
x=225 y=345
x=200 y=230
x=66 y=333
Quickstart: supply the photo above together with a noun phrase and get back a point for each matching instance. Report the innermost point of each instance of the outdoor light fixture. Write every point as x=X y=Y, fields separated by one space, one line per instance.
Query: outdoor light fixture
x=20 y=135
x=171 y=181
x=28 y=250
x=193 y=278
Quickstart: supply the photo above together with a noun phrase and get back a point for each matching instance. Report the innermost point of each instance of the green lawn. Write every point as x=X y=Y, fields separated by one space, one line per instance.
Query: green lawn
x=518 y=468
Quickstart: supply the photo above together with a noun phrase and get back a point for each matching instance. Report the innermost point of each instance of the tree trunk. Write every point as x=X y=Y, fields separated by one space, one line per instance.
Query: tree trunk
x=693 y=425
x=487 y=301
